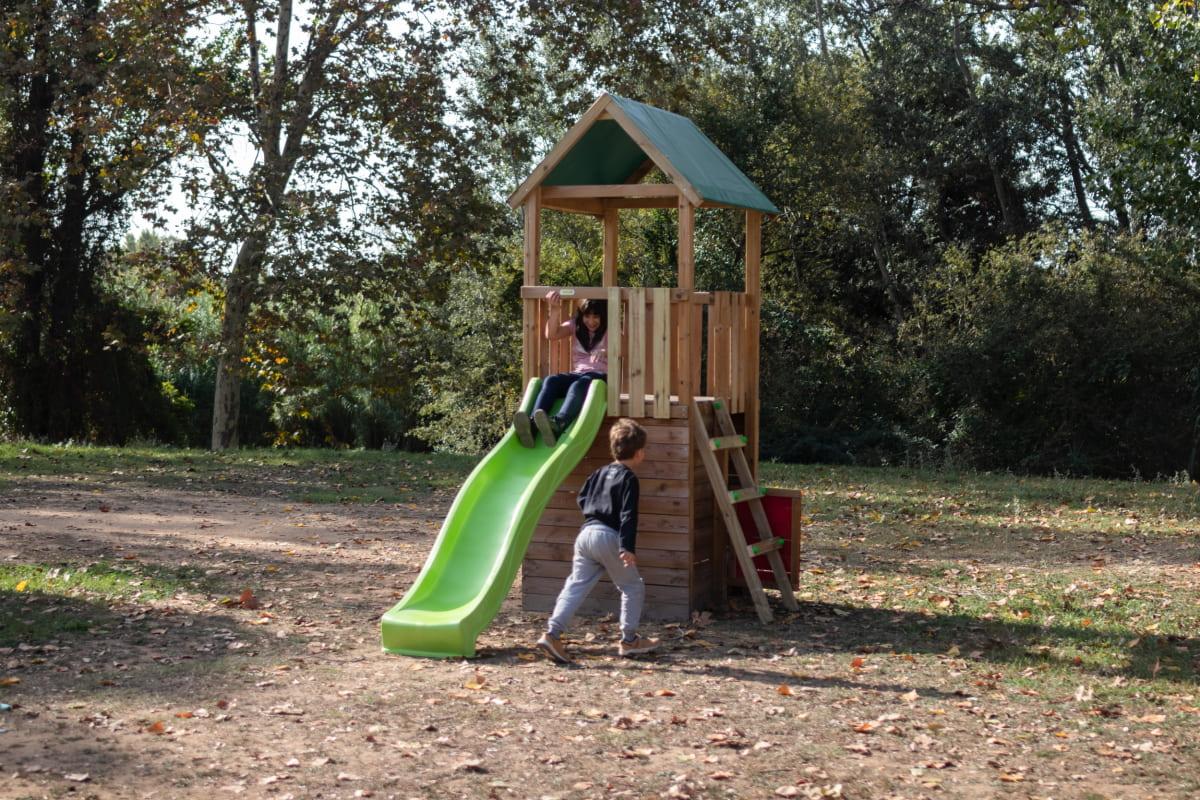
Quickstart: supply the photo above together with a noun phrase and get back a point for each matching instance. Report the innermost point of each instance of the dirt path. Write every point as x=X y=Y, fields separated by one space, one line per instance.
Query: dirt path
x=213 y=693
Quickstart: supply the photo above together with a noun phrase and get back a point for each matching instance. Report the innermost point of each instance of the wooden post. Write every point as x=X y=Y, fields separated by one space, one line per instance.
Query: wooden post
x=754 y=298
x=611 y=240
x=687 y=282
x=530 y=313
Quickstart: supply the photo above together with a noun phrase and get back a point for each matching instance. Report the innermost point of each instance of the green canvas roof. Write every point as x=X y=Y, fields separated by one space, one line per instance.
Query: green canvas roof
x=607 y=154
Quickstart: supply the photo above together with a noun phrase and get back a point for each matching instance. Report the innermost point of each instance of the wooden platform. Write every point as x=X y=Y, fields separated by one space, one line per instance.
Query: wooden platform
x=675 y=529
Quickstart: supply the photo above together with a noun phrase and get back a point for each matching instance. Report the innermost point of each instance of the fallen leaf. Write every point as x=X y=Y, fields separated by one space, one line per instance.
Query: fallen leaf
x=858 y=662
x=720 y=776
x=910 y=697
x=10 y=681
x=247 y=599
x=78 y=777
x=788 y=791
x=22 y=586
x=785 y=690
x=664 y=693
x=476 y=682
x=1011 y=777
x=157 y=728
x=470 y=765
x=184 y=714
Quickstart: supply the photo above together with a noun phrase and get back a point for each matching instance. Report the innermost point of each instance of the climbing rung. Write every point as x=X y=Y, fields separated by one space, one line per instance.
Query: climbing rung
x=764 y=547
x=728 y=442
x=748 y=493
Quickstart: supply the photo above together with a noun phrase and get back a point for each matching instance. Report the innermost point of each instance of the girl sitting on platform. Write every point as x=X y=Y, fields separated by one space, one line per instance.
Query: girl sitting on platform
x=589 y=362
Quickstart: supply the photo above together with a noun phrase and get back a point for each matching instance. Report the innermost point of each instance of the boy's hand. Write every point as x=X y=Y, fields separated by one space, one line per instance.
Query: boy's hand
x=628 y=559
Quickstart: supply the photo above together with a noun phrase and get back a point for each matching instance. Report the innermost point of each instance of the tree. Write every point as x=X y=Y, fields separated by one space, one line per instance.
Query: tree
x=94 y=99
x=343 y=106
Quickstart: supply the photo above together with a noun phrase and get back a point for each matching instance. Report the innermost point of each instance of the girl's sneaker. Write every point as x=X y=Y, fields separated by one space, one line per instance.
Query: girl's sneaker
x=637 y=647
x=523 y=428
x=547 y=426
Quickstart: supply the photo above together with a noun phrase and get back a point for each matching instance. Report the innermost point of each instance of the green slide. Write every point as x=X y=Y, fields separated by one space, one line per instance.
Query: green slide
x=481 y=544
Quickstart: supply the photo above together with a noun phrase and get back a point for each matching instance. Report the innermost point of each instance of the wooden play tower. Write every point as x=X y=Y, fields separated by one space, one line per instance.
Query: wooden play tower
x=668 y=346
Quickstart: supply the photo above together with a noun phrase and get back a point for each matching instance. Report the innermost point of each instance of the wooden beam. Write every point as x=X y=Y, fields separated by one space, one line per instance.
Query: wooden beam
x=639 y=202
x=595 y=190
x=687 y=245
x=612 y=228
x=561 y=149
x=533 y=238
x=641 y=172
x=591 y=207
x=530 y=317
x=660 y=160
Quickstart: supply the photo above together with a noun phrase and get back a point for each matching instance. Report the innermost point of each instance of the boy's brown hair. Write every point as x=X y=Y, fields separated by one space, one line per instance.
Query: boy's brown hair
x=625 y=439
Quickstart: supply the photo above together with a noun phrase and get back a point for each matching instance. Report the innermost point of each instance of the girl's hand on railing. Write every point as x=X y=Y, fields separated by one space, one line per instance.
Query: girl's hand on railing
x=553 y=297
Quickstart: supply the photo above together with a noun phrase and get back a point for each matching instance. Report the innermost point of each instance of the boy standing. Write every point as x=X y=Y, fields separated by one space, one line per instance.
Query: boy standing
x=609 y=501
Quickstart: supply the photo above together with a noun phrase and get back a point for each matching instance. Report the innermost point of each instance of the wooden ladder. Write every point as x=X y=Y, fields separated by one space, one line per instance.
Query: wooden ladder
x=768 y=544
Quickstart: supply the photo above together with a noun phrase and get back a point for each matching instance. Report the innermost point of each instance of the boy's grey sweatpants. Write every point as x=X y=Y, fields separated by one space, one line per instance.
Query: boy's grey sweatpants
x=598 y=549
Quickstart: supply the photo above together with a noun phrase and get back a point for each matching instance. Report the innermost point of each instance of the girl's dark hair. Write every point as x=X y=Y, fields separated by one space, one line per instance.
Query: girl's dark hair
x=600 y=309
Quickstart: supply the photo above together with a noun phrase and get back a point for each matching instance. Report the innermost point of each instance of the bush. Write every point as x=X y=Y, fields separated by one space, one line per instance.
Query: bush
x=1060 y=352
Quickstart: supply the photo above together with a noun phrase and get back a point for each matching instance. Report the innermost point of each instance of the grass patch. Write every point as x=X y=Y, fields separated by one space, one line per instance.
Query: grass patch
x=39 y=602
x=1054 y=582
x=305 y=475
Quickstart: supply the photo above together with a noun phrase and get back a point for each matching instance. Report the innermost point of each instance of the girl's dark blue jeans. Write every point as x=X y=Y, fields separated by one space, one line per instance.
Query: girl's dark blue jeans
x=572 y=387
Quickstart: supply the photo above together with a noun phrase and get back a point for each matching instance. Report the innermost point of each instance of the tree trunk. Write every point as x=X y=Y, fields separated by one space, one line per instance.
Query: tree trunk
x=239 y=296
x=879 y=247
x=1074 y=156
x=1006 y=205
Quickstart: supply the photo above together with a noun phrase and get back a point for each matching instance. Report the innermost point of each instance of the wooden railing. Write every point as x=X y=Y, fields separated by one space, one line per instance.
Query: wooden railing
x=652 y=359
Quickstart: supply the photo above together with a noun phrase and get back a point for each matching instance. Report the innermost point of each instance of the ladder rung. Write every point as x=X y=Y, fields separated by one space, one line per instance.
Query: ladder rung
x=766 y=546
x=748 y=493
x=728 y=442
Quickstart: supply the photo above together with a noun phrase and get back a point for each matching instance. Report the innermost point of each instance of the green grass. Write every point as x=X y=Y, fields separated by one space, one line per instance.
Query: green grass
x=38 y=602
x=313 y=476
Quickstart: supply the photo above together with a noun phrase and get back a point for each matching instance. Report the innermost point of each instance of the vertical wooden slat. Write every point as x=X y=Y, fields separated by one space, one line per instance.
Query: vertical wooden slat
x=615 y=360
x=648 y=338
x=545 y=346
x=735 y=352
x=662 y=353
x=697 y=344
x=529 y=340
x=637 y=353
x=725 y=385
x=611 y=243
x=754 y=290
x=713 y=324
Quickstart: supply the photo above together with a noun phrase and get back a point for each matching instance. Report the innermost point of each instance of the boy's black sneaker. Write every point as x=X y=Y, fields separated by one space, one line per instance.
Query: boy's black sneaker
x=553 y=647
x=523 y=428
x=547 y=426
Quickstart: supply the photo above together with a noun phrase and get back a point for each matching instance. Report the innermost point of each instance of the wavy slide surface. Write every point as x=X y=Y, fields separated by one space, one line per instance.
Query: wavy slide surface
x=483 y=540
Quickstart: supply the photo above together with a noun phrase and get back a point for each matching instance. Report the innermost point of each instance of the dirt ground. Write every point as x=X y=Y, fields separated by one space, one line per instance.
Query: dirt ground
x=204 y=695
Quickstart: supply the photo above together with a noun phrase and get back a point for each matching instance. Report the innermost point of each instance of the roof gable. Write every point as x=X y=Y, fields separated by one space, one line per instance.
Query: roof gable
x=614 y=138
